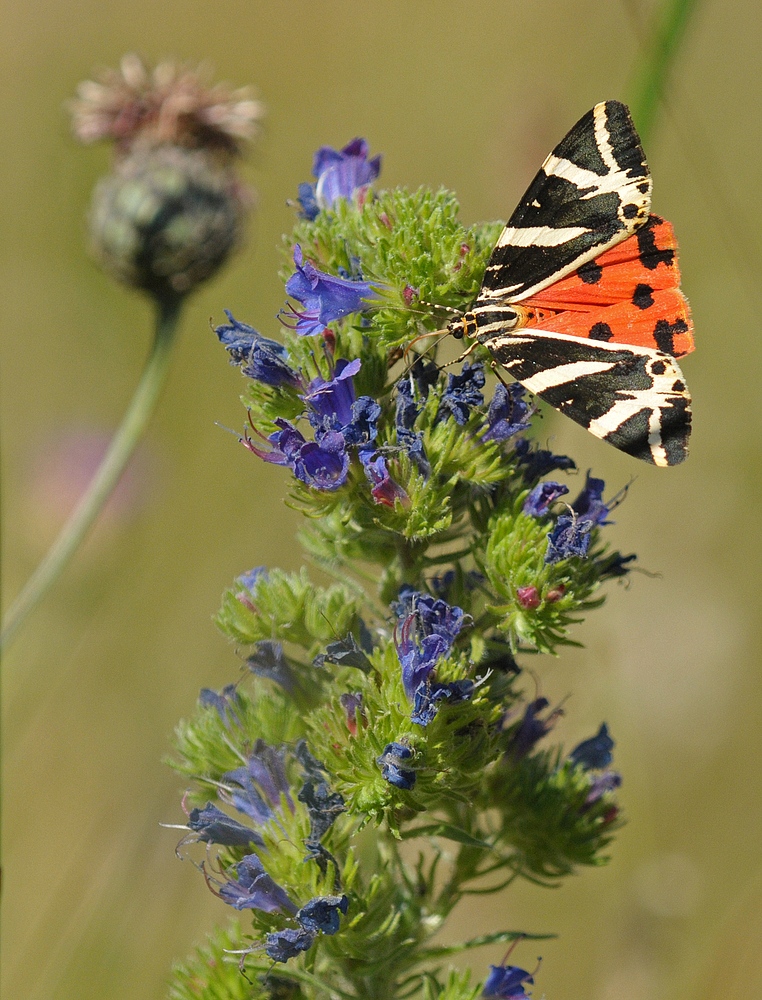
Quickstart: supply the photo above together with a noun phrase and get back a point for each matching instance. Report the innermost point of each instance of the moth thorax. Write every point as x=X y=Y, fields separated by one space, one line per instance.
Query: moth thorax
x=464 y=326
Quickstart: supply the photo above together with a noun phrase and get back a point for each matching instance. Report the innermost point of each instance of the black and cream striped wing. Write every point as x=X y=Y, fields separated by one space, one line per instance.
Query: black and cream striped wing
x=633 y=397
x=592 y=192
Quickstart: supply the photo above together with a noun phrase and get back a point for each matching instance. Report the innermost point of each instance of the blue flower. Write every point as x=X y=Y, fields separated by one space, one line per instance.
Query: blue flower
x=261 y=782
x=505 y=982
x=250 y=577
x=321 y=914
x=325 y=297
x=539 y=462
x=589 y=505
x=282 y=945
x=268 y=660
x=333 y=406
x=537 y=504
x=212 y=826
x=384 y=489
x=462 y=393
x=323 y=805
x=594 y=754
x=570 y=537
x=345 y=653
x=324 y=465
x=532 y=728
x=391 y=764
x=339 y=174
x=253 y=889
x=427 y=630
x=261 y=359
x=615 y=565
x=508 y=413
x=226 y=703
x=427 y=695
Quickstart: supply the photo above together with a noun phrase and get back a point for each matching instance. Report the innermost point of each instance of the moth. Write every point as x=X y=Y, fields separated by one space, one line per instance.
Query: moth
x=581 y=299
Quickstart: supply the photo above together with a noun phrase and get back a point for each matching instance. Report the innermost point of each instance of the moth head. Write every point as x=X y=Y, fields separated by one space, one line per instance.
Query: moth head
x=463 y=326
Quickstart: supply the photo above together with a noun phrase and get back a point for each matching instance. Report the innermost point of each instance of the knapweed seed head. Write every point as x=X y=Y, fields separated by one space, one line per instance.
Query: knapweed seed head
x=173 y=208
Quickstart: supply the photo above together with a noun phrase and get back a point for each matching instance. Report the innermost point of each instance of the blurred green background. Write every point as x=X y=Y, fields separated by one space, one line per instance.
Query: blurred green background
x=471 y=96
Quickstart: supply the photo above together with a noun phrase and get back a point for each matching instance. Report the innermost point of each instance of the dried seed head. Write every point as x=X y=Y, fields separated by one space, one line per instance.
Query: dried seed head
x=172 y=104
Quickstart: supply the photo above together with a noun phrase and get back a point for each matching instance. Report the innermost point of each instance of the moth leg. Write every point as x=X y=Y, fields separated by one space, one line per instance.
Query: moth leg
x=496 y=369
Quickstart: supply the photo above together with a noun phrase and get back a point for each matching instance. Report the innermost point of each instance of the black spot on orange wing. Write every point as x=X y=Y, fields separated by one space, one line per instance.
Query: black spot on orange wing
x=601 y=331
x=650 y=254
x=643 y=297
x=665 y=332
x=590 y=273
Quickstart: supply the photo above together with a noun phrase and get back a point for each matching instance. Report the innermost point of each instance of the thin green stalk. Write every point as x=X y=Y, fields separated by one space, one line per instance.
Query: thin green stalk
x=659 y=51
x=120 y=451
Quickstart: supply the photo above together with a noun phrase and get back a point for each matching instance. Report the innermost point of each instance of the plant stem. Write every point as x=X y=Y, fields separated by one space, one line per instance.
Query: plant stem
x=115 y=460
x=658 y=54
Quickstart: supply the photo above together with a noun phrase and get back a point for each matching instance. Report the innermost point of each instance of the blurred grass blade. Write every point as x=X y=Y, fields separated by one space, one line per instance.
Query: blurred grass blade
x=657 y=55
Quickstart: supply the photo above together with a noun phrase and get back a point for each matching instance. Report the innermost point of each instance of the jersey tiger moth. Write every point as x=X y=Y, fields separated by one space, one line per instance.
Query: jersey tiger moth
x=581 y=298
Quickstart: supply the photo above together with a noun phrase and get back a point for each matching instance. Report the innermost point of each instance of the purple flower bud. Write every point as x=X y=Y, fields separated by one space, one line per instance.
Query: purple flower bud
x=268 y=660
x=428 y=695
x=392 y=770
x=532 y=728
x=261 y=359
x=325 y=297
x=384 y=490
x=225 y=703
x=261 y=781
x=351 y=702
x=528 y=598
x=537 y=504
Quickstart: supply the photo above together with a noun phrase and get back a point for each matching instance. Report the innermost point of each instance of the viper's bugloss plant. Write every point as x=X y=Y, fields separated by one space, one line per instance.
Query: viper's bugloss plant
x=381 y=756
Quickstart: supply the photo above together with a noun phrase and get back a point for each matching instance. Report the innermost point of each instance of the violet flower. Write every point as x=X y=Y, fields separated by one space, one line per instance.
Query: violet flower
x=325 y=297
x=339 y=173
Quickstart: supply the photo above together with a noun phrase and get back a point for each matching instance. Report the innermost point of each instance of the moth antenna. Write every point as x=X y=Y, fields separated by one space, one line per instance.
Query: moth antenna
x=424 y=336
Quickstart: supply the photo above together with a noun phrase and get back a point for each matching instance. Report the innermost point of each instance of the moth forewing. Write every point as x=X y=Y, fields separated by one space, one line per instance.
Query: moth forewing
x=592 y=192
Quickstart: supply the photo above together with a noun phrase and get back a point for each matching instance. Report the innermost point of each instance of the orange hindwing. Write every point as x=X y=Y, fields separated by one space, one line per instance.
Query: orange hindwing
x=629 y=295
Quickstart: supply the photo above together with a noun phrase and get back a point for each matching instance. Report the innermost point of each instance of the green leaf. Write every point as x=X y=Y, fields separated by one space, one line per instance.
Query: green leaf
x=449 y=832
x=499 y=937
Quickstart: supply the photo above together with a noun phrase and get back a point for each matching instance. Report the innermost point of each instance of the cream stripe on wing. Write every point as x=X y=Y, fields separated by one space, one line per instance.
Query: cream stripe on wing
x=549 y=378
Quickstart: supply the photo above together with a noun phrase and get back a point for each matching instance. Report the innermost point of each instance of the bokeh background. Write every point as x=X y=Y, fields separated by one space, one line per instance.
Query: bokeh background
x=471 y=96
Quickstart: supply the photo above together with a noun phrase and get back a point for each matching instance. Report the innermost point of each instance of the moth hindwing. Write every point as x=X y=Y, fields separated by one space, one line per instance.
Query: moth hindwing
x=594 y=347
x=633 y=397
